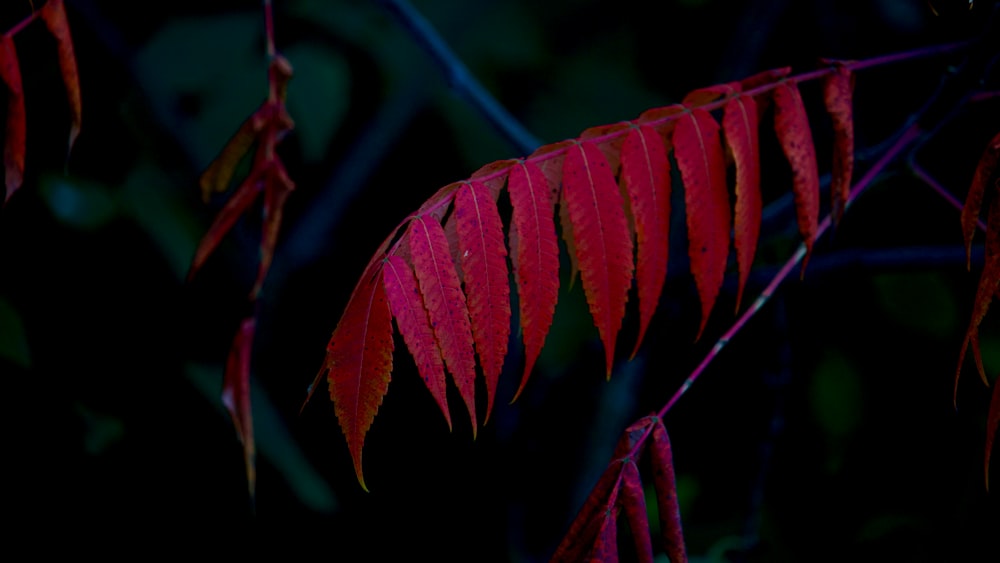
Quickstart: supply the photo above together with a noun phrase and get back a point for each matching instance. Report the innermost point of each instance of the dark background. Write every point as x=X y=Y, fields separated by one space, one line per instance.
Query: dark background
x=825 y=430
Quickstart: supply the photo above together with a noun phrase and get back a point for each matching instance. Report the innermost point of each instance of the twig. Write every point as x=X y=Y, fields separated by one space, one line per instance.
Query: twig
x=908 y=136
x=459 y=77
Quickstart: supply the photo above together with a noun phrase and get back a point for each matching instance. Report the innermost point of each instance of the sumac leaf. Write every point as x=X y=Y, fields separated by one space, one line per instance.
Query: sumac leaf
x=487 y=287
x=535 y=257
x=665 y=484
x=698 y=151
x=838 y=91
x=359 y=361
x=236 y=395
x=791 y=123
x=739 y=122
x=15 y=135
x=445 y=304
x=633 y=499
x=603 y=246
x=646 y=173
x=54 y=15
x=985 y=170
x=407 y=306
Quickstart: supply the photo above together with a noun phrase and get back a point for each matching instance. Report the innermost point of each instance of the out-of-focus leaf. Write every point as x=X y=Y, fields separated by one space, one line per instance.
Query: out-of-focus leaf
x=275 y=444
x=77 y=203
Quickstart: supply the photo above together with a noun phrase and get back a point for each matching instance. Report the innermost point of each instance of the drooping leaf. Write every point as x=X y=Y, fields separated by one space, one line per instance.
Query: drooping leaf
x=359 y=361
x=739 y=122
x=53 y=13
x=407 y=307
x=235 y=206
x=698 y=151
x=236 y=395
x=665 y=484
x=992 y=426
x=445 y=304
x=216 y=177
x=582 y=531
x=16 y=132
x=633 y=499
x=487 y=288
x=605 y=549
x=989 y=283
x=838 y=92
x=791 y=123
x=603 y=245
x=646 y=173
x=534 y=253
x=277 y=187
x=985 y=170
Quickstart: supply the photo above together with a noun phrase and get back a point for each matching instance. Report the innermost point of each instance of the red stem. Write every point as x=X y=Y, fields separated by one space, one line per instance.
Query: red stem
x=802 y=77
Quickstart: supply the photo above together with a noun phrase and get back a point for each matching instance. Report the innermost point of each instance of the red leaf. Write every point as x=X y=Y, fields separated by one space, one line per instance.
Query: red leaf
x=487 y=287
x=698 y=151
x=603 y=246
x=666 y=494
x=838 y=89
x=445 y=304
x=634 y=501
x=16 y=134
x=237 y=204
x=277 y=187
x=216 y=177
x=974 y=200
x=589 y=522
x=740 y=125
x=605 y=548
x=54 y=15
x=236 y=395
x=992 y=424
x=791 y=123
x=989 y=283
x=359 y=361
x=646 y=173
x=583 y=530
x=407 y=307
x=534 y=253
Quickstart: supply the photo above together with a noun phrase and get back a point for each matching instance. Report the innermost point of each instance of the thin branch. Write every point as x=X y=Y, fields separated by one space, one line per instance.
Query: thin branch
x=459 y=77
x=924 y=176
x=908 y=136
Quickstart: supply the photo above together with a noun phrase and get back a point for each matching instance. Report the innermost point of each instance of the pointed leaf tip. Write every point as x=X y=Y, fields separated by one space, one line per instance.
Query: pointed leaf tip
x=487 y=287
x=445 y=304
x=236 y=395
x=16 y=132
x=54 y=15
x=791 y=123
x=740 y=125
x=595 y=209
x=698 y=151
x=407 y=307
x=534 y=254
x=838 y=89
x=646 y=174
x=359 y=361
